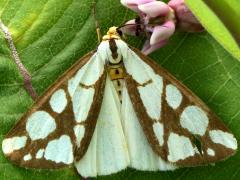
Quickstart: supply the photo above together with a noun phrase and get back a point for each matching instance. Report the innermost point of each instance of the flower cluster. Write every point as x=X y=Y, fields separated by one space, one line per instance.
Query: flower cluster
x=158 y=20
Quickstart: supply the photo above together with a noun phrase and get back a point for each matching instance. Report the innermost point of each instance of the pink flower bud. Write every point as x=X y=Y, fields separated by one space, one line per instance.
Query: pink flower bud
x=133 y=4
x=162 y=32
x=154 y=9
x=186 y=20
x=147 y=48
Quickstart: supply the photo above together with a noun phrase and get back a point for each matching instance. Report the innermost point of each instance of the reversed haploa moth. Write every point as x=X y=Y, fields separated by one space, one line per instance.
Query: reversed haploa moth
x=116 y=108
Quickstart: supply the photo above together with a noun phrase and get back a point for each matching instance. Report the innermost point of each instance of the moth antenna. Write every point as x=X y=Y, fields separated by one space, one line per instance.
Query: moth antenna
x=98 y=31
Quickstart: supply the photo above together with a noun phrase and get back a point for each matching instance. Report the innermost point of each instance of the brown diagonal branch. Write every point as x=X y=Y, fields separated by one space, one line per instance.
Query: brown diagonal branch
x=26 y=76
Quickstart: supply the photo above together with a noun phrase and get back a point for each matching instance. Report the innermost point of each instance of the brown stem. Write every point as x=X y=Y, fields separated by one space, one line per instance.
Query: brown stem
x=26 y=76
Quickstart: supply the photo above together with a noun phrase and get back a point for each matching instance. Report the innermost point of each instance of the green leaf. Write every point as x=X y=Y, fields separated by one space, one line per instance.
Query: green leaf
x=51 y=36
x=229 y=13
x=221 y=19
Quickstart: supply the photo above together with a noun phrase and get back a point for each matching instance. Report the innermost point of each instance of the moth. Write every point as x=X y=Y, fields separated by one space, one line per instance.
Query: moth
x=116 y=108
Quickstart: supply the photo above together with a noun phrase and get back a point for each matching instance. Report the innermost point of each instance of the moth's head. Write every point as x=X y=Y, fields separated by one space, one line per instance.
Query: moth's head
x=113 y=33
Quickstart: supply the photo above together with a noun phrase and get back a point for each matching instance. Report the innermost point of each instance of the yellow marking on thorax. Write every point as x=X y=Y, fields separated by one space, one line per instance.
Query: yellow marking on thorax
x=111 y=34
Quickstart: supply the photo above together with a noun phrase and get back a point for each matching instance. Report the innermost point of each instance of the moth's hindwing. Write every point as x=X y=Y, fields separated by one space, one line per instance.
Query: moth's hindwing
x=178 y=125
x=59 y=126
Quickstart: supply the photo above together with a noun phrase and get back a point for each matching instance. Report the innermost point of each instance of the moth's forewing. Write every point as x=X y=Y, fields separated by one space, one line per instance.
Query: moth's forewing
x=186 y=132
x=47 y=136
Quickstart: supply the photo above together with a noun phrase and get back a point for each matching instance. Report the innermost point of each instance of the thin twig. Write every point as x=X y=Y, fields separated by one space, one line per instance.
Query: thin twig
x=98 y=31
x=26 y=76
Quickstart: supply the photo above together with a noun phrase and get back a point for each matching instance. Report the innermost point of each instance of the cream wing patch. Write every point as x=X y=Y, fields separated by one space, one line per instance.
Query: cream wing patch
x=82 y=100
x=39 y=125
x=79 y=131
x=58 y=101
x=151 y=100
x=151 y=95
x=15 y=143
x=210 y=152
x=27 y=157
x=194 y=120
x=40 y=153
x=159 y=132
x=224 y=138
x=173 y=96
x=179 y=147
x=88 y=74
x=140 y=71
x=133 y=64
x=60 y=150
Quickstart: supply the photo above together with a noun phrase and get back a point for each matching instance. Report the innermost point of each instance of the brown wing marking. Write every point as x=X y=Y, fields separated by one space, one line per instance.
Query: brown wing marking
x=170 y=119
